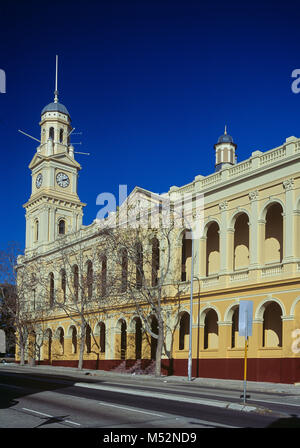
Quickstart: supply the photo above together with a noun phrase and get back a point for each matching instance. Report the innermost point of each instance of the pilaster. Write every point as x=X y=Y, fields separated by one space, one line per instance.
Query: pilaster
x=254 y=232
x=288 y=186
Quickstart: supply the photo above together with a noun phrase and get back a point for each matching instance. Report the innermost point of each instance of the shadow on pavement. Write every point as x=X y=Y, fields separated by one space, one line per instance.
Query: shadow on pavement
x=15 y=385
x=288 y=422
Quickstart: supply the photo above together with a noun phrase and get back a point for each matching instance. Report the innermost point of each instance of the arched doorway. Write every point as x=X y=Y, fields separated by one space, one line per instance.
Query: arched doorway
x=138 y=338
x=272 y=325
x=184 y=331
x=211 y=331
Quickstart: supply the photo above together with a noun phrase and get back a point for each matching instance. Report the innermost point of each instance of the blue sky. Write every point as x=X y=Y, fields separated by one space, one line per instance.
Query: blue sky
x=150 y=84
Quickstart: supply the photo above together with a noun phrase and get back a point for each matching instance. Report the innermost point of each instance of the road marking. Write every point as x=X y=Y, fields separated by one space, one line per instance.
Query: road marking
x=203 y=422
x=50 y=416
x=37 y=412
x=73 y=423
x=127 y=408
x=174 y=397
x=277 y=402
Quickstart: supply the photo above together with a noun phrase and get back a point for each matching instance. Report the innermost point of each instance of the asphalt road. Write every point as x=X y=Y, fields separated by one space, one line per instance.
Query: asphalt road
x=39 y=400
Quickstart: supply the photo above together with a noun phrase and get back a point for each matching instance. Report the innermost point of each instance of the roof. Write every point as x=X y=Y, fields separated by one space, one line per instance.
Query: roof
x=225 y=138
x=55 y=107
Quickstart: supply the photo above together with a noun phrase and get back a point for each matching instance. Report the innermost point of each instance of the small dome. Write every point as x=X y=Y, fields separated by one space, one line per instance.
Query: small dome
x=55 y=107
x=225 y=138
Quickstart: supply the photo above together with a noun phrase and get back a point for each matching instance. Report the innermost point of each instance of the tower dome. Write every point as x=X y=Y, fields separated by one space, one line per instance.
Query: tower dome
x=225 y=138
x=225 y=151
x=55 y=107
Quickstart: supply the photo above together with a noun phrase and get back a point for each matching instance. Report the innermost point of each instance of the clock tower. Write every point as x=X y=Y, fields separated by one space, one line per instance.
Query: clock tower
x=54 y=208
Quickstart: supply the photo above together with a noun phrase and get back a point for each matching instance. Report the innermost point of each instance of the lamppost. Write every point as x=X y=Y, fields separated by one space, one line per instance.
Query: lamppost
x=191 y=312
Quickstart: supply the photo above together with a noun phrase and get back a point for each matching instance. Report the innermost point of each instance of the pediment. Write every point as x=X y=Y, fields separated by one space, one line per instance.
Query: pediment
x=62 y=157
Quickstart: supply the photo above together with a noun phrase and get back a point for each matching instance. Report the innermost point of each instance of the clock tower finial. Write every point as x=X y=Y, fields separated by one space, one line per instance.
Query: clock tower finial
x=56 y=91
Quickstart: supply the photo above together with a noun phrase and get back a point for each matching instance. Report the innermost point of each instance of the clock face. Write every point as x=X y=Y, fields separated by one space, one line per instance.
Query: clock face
x=62 y=179
x=39 y=180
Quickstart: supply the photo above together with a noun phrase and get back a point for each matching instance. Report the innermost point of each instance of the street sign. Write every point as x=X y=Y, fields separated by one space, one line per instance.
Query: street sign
x=245 y=329
x=245 y=318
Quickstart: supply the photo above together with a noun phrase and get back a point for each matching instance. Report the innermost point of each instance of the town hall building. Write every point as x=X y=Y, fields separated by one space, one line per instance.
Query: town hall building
x=248 y=249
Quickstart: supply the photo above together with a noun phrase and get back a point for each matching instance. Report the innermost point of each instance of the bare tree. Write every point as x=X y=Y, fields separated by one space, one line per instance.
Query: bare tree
x=77 y=287
x=19 y=285
x=140 y=259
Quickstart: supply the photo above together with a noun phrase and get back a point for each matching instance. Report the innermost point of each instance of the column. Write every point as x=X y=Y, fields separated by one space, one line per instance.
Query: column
x=43 y=228
x=202 y=256
x=223 y=238
x=253 y=231
x=52 y=224
x=28 y=230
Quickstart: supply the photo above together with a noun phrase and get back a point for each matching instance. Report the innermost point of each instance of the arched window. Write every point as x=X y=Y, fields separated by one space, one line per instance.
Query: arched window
x=36 y=230
x=51 y=133
x=212 y=249
x=102 y=337
x=123 y=339
x=51 y=289
x=139 y=266
x=274 y=234
x=241 y=242
x=124 y=270
x=154 y=329
x=104 y=276
x=155 y=261
x=62 y=227
x=63 y=283
x=61 y=135
x=75 y=282
x=237 y=341
x=184 y=331
x=138 y=338
x=186 y=257
x=90 y=279
x=88 y=339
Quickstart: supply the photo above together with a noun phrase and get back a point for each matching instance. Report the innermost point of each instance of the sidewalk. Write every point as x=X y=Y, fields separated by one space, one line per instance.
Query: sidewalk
x=252 y=386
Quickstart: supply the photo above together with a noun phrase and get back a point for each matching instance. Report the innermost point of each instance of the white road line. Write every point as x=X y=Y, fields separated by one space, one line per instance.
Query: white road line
x=73 y=423
x=37 y=412
x=50 y=416
x=128 y=409
x=203 y=422
x=276 y=402
x=137 y=392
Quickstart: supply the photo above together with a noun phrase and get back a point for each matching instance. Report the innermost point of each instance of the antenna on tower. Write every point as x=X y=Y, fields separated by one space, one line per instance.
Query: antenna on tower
x=56 y=72
x=30 y=136
x=79 y=143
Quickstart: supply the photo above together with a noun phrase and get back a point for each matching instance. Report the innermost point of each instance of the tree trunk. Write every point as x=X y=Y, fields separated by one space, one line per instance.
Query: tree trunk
x=81 y=349
x=159 y=349
x=22 y=355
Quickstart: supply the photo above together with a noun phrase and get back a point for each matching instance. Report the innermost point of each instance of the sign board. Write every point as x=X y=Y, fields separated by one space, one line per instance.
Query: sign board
x=2 y=342
x=245 y=318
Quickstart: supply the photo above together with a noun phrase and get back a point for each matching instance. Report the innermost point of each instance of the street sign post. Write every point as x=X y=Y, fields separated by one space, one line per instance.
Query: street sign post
x=245 y=329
